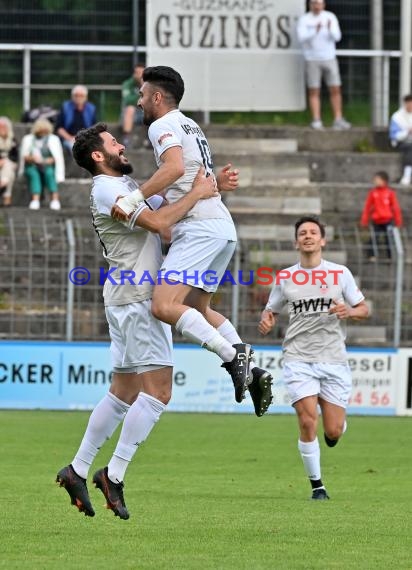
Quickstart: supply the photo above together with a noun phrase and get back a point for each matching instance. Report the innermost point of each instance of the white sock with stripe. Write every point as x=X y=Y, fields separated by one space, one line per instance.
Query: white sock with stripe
x=193 y=326
x=103 y=421
x=138 y=423
x=310 y=453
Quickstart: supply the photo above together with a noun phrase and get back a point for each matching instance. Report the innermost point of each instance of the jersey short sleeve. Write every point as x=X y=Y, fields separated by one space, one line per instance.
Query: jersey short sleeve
x=350 y=290
x=164 y=135
x=276 y=300
x=106 y=192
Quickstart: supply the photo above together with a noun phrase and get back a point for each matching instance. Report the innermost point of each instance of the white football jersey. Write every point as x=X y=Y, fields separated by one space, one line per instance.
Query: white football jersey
x=134 y=256
x=314 y=335
x=175 y=129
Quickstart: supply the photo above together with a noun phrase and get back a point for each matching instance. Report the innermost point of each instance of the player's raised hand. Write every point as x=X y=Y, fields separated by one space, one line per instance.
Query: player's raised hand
x=267 y=322
x=340 y=309
x=117 y=213
x=205 y=187
x=227 y=179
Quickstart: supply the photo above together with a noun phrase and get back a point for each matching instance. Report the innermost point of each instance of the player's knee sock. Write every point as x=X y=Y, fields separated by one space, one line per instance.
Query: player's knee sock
x=310 y=453
x=194 y=326
x=104 y=419
x=138 y=423
x=228 y=331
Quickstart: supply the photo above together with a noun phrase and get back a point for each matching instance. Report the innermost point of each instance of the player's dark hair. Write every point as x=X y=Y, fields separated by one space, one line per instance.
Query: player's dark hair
x=167 y=79
x=313 y=220
x=86 y=142
x=383 y=174
x=407 y=98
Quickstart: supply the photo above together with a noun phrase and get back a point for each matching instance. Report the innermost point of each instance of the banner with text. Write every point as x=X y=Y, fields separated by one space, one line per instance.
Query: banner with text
x=234 y=55
x=71 y=376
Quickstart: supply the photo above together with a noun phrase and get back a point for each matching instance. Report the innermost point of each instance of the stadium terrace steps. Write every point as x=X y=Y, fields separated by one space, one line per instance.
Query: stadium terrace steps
x=365 y=334
x=351 y=167
x=285 y=258
x=307 y=139
x=273 y=232
x=247 y=146
x=256 y=205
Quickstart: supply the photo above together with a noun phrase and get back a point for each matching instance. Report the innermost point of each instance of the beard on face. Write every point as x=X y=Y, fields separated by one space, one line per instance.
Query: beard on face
x=147 y=119
x=115 y=163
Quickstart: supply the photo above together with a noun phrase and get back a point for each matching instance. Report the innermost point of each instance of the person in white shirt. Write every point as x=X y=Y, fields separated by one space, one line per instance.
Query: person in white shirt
x=318 y=32
x=141 y=346
x=320 y=296
x=400 y=134
x=202 y=243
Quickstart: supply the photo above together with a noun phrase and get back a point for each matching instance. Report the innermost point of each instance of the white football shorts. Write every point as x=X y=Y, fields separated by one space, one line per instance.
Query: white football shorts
x=138 y=340
x=197 y=260
x=331 y=382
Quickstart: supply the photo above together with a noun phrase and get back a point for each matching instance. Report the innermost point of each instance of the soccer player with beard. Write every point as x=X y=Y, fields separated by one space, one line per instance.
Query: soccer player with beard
x=203 y=242
x=141 y=346
x=320 y=295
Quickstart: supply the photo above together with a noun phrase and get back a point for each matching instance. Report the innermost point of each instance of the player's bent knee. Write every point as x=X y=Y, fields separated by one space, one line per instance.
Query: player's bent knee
x=165 y=396
x=160 y=310
x=334 y=432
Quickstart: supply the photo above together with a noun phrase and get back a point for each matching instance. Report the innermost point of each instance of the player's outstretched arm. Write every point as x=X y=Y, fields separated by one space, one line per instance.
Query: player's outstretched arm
x=227 y=179
x=159 y=220
x=267 y=322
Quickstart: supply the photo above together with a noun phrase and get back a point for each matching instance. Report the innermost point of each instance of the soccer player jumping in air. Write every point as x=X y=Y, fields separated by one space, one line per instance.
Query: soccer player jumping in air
x=315 y=370
x=202 y=241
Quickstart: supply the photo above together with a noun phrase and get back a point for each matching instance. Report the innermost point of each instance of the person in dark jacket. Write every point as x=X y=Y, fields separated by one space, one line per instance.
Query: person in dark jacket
x=382 y=208
x=76 y=114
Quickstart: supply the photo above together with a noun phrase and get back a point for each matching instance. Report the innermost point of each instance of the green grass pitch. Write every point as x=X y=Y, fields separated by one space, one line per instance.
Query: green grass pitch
x=210 y=492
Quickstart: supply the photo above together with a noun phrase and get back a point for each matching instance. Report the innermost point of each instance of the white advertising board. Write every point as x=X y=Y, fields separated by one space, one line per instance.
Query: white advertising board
x=48 y=375
x=234 y=55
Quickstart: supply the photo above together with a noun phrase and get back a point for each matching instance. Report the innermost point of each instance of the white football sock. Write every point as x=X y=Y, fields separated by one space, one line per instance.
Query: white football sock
x=310 y=453
x=138 y=423
x=103 y=421
x=194 y=326
x=228 y=331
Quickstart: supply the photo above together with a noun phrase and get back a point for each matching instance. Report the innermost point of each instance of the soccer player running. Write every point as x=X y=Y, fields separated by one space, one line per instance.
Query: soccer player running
x=319 y=296
x=202 y=243
x=141 y=346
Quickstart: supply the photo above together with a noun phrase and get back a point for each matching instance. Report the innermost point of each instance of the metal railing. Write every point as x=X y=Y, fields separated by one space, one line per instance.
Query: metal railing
x=38 y=301
x=380 y=97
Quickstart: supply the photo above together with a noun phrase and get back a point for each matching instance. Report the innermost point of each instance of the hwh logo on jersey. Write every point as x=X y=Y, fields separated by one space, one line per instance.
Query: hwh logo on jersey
x=311 y=305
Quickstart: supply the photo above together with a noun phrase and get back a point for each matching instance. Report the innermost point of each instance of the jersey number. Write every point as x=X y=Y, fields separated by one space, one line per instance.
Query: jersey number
x=206 y=154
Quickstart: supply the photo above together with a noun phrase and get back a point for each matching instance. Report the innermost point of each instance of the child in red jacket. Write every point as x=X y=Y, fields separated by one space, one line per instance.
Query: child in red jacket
x=382 y=208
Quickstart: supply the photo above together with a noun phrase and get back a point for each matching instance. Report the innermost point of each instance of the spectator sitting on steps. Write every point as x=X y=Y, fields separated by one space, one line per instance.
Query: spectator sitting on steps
x=400 y=134
x=131 y=113
x=76 y=114
x=8 y=159
x=42 y=162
